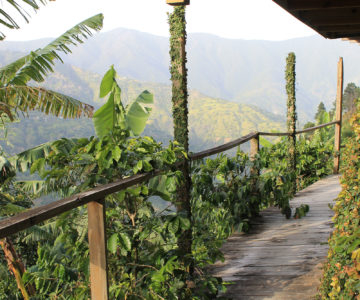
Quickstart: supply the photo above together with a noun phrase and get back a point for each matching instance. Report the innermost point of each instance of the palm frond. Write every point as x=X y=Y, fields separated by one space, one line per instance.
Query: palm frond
x=22 y=162
x=36 y=65
x=28 y=98
x=37 y=233
x=8 y=21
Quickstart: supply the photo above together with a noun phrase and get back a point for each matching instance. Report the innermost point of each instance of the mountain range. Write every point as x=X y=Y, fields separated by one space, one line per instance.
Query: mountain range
x=241 y=71
x=211 y=121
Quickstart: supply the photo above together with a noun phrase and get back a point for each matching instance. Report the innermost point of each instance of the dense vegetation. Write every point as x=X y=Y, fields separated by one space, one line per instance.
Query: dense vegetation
x=208 y=127
x=342 y=270
x=146 y=235
x=144 y=259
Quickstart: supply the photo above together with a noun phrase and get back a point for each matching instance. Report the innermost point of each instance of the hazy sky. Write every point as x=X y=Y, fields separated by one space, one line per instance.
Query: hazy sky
x=245 y=19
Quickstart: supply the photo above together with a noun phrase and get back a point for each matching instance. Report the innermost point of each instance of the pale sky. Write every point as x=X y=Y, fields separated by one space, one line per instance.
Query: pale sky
x=239 y=19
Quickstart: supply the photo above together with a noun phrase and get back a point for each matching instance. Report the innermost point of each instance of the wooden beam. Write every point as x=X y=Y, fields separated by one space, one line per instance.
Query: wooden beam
x=295 y=5
x=336 y=20
x=97 y=247
x=178 y=2
x=338 y=114
x=37 y=215
x=317 y=127
x=340 y=28
x=224 y=147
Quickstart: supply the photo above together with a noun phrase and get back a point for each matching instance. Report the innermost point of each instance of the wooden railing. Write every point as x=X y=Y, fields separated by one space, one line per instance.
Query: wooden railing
x=95 y=199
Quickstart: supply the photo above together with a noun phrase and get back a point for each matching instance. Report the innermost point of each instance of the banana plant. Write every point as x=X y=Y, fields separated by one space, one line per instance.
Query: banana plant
x=15 y=93
x=113 y=114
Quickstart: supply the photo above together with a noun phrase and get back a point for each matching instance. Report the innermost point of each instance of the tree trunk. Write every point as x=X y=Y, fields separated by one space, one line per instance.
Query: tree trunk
x=16 y=266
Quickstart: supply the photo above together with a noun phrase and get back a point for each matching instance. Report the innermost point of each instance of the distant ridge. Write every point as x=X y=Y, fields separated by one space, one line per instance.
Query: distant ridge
x=243 y=71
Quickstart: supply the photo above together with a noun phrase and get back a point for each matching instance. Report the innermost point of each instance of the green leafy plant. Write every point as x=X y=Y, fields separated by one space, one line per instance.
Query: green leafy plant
x=342 y=269
x=113 y=114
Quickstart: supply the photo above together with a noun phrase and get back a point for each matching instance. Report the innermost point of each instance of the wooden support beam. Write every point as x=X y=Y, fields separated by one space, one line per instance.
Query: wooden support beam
x=340 y=86
x=336 y=20
x=340 y=28
x=295 y=5
x=97 y=247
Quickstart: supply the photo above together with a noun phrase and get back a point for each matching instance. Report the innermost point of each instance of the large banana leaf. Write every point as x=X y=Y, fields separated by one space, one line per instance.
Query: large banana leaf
x=8 y=20
x=36 y=65
x=112 y=114
x=138 y=112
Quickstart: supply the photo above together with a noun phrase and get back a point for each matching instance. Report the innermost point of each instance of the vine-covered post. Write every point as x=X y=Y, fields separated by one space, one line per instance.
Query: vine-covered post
x=254 y=150
x=338 y=114
x=290 y=77
x=178 y=70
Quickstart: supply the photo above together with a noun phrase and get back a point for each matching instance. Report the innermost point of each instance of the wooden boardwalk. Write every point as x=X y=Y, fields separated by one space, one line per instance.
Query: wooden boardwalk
x=279 y=258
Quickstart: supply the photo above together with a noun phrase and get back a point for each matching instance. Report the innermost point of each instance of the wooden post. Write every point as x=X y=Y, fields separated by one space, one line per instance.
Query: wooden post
x=97 y=246
x=339 y=96
x=254 y=150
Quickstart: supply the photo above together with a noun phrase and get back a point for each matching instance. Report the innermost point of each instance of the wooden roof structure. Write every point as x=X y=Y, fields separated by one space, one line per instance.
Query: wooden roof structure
x=332 y=19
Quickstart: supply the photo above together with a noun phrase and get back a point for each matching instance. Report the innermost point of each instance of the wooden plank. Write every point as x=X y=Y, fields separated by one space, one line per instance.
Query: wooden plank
x=336 y=20
x=339 y=95
x=97 y=247
x=224 y=147
x=295 y=5
x=341 y=28
x=281 y=259
x=34 y=216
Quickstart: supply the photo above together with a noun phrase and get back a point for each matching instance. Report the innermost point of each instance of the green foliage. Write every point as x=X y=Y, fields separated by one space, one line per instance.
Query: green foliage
x=178 y=73
x=314 y=159
x=17 y=96
x=113 y=114
x=342 y=269
x=290 y=77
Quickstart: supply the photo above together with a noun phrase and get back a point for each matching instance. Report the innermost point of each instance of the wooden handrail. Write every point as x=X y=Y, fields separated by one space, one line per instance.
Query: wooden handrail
x=317 y=127
x=274 y=133
x=299 y=131
x=222 y=148
x=37 y=215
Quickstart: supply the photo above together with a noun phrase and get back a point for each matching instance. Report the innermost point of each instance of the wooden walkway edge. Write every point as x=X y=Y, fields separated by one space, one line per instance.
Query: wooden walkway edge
x=282 y=259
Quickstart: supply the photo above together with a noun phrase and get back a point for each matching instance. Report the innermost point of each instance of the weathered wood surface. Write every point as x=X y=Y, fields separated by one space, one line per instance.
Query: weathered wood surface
x=281 y=259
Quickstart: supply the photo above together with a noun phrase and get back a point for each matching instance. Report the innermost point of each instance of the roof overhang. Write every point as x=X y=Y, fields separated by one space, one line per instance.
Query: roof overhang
x=332 y=19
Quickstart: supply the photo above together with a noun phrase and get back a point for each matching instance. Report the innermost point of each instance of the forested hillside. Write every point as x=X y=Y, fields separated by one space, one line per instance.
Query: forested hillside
x=212 y=121
x=242 y=71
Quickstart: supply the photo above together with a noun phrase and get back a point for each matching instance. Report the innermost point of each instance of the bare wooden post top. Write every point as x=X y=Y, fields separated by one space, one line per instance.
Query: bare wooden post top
x=339 y=96
x=97 y=247
x=178 y=2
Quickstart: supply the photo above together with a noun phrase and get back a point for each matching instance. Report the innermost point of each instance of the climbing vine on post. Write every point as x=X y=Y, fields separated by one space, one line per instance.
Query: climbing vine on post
x=178 y=72
x=290 y=77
